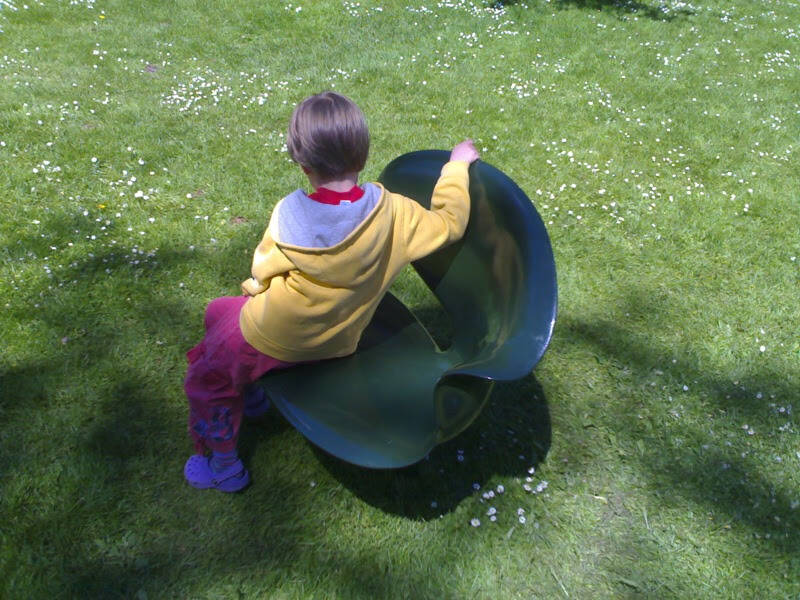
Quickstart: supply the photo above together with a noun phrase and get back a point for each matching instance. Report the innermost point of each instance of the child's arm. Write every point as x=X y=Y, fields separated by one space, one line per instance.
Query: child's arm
x=268 y=261
x=424 y=231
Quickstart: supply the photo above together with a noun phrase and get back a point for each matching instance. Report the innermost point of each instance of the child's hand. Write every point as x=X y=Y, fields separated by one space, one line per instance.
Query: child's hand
x=465 y=151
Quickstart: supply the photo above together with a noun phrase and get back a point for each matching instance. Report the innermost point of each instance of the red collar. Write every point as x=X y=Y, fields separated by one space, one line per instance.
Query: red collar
x=326 y=196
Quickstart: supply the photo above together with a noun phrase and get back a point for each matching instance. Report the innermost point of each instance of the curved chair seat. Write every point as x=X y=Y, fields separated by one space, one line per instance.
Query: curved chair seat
x=399 y=395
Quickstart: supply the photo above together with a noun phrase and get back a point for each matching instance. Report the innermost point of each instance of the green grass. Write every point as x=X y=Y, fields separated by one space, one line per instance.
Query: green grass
x=141 y=152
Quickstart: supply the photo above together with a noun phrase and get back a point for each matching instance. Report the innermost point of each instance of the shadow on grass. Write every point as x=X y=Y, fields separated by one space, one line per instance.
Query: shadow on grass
x=129 y=526
x=656 y=12
x=714 y=475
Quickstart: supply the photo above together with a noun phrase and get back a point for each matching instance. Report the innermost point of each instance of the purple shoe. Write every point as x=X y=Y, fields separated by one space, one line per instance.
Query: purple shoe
x=199 y=474
x=256 y=402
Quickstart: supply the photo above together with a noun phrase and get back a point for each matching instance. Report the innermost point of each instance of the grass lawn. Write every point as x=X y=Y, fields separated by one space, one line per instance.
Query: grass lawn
x=654 y=452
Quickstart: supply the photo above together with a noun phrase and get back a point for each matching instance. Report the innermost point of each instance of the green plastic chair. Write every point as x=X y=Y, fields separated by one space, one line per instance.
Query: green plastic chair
x=399 y=395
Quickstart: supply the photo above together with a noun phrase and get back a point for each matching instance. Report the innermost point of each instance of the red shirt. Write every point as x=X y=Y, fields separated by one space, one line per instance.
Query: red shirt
x=326 y=196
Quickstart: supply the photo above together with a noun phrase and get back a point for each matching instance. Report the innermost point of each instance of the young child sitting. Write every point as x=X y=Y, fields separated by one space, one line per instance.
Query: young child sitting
x=323 y=265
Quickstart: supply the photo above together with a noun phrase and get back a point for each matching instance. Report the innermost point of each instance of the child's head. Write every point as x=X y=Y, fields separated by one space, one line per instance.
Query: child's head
x=328 y=135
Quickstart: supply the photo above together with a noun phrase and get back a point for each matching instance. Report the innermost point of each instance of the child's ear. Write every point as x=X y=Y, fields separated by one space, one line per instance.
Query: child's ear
x=306 y=170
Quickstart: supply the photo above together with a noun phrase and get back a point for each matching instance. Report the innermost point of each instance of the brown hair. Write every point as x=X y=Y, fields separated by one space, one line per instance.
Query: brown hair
x=328 y=134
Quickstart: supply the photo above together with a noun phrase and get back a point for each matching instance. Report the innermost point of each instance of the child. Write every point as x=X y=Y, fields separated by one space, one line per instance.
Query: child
x=323 y=265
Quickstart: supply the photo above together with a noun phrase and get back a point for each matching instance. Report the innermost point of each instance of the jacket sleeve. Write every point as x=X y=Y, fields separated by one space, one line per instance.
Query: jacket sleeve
x=423 y=231
x=268 y=261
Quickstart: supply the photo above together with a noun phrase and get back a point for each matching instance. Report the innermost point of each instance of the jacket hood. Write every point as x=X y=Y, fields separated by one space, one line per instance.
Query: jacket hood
x=348 y=261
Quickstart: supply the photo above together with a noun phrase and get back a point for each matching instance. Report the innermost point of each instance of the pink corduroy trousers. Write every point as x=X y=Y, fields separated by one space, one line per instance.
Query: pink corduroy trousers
x=220 y=368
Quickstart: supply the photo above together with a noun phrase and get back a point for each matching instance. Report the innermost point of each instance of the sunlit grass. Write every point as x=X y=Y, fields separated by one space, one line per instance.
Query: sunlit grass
x=654 y=453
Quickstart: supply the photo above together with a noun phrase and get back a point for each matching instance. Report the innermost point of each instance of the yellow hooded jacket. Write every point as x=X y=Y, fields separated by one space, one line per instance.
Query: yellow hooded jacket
x=313 y=303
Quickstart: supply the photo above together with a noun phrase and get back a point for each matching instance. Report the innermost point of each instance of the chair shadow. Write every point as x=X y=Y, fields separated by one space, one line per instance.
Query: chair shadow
x=510 y=435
